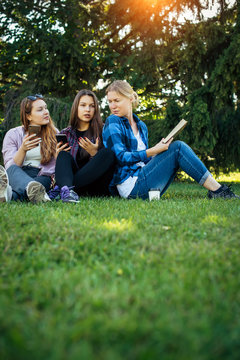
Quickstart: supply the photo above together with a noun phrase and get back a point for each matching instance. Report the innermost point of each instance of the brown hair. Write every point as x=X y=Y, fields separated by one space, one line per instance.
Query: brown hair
x=96 y=124
x=125 y=89
x=48 y=131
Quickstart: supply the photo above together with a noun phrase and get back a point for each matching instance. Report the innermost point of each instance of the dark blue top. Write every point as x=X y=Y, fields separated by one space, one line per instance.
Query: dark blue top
x=75 y=151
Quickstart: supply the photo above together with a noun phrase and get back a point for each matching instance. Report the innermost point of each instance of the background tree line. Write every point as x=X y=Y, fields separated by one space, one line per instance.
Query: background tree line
x=188 y=69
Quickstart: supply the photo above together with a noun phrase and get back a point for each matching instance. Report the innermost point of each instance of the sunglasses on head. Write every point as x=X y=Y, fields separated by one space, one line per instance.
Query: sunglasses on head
x=35 y=97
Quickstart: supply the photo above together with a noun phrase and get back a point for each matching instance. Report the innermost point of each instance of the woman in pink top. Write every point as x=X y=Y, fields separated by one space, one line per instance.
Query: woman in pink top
x=29 y=159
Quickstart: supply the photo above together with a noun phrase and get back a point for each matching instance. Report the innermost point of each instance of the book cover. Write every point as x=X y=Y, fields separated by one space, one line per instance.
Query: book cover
x=179 y=127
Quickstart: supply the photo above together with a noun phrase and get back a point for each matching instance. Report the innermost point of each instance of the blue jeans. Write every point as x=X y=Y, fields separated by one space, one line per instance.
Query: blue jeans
x=20 y=177
x=159 y=172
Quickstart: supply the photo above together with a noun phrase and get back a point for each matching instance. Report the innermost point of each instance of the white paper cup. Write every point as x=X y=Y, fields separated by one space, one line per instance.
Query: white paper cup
x=154 y=194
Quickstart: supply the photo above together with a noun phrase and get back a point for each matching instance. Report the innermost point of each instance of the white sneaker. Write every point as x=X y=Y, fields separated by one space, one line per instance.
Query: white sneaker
x=5 y=188
x=36 y=192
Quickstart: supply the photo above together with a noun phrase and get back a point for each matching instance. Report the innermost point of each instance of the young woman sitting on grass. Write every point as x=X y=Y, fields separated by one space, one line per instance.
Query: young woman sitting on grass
x=140 y=168
x=29 y=160
x=83 y=166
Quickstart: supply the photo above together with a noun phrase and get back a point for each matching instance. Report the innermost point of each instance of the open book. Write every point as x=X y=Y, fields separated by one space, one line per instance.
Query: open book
x=179 y=127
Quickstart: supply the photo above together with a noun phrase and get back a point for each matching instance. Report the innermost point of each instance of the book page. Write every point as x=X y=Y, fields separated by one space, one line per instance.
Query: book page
x=179 y=127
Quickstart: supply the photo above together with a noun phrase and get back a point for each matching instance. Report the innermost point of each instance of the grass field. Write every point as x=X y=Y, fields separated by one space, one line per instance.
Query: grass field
x=115 y=279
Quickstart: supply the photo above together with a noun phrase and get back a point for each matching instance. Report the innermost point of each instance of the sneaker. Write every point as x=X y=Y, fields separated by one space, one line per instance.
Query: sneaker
x=36 y=192
x=5 y=188
x=68 y=195
x=54 y=194
x=224 y=192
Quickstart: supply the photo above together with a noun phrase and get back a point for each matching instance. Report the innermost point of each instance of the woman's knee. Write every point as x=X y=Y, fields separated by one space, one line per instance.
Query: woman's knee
x=107 y=154
x=63 y=158
x=64 y=155
x=13 y=169
x=177 y=145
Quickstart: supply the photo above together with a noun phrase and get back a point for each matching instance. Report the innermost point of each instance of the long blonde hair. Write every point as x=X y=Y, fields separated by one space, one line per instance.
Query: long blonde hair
x=48 y=131
x=125 y=89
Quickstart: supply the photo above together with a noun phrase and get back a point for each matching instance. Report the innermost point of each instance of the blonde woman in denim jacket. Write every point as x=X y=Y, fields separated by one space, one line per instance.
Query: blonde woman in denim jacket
x=140 y=168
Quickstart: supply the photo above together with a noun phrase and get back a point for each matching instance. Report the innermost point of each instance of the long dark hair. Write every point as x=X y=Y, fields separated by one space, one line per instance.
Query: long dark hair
x=48 y=131
x=96 y=124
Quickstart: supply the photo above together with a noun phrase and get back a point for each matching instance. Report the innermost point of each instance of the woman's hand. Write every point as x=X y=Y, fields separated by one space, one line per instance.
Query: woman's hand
x=159 y=147
x=61 y=147
x=87 y=145
x=29 y=142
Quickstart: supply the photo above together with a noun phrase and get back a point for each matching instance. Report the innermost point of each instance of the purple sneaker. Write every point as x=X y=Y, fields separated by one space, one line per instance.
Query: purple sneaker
x=54 y=193
x=68 y=195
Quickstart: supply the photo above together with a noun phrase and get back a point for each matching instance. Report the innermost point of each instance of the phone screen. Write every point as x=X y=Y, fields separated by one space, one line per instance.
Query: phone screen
x=61 y=137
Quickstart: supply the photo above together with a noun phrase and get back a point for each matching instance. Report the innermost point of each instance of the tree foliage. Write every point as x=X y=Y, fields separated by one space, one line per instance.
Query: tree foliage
x=180 y=68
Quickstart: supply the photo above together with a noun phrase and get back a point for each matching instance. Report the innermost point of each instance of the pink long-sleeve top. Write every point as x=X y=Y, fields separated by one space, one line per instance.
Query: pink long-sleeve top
x=12 y=142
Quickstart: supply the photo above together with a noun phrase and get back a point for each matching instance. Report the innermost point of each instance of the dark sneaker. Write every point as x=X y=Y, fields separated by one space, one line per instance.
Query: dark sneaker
x=36 y=192
x=68 y=195
x=5 y=188
x=224 y=192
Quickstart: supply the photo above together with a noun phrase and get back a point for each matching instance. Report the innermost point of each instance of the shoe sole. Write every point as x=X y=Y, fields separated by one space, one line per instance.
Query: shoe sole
x=3 y=184
x=36 y=193
x=223 y=197
x=71 y=201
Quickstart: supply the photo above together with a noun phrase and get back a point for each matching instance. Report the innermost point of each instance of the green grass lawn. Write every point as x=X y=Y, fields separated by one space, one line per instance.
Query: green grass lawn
x=115 y=279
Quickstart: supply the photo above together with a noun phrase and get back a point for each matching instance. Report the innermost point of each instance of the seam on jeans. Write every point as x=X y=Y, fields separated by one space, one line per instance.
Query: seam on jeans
x=193 y=168
x=138 y=194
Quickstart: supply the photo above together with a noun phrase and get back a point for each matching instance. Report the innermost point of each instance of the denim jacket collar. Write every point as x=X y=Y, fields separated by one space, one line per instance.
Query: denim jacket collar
x=136 y=119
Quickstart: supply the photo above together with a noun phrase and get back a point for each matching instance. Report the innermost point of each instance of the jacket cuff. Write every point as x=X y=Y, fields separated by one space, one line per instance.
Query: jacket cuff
x=143 y=155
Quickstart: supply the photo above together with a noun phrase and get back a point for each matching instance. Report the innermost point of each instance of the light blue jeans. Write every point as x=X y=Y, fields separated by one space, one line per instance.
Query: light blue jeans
x=20 y=177
x=159 y=172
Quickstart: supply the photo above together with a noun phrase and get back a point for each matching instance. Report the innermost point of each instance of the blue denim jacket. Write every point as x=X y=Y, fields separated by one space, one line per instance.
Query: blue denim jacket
x=118 y=136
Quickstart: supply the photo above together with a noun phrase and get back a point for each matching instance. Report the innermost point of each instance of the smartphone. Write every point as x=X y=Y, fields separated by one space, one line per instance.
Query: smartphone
x=34 y=129
x=62 y=137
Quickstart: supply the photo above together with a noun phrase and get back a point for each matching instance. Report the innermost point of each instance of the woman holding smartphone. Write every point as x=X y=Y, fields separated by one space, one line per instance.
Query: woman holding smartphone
x=140 y=168
x=83 y=166
x=29 y=154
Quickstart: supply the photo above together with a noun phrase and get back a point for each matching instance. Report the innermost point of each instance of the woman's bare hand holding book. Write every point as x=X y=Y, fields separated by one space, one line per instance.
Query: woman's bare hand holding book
x=158 y=148
x=165 y=142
